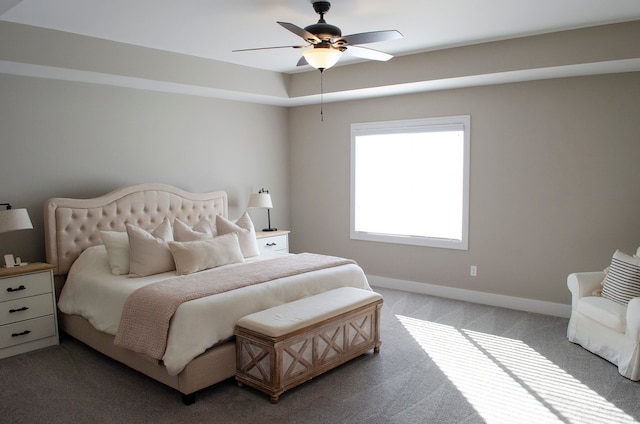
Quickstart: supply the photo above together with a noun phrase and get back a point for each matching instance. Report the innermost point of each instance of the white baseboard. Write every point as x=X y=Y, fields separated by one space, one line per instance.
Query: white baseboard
x=510 y=302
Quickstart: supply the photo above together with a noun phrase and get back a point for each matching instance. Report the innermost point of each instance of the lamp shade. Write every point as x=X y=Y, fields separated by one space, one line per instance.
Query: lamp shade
x=14 y=219
x=322 y=57
x=260 y=200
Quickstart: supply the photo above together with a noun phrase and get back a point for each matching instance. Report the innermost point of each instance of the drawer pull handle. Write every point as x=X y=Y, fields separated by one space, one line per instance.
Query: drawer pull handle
x=24 y=333
x=11 y=289
x=24 y=308
x=271 y=244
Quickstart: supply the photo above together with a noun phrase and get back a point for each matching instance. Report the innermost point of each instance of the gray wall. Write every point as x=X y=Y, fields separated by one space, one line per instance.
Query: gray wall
x=69 y=139
x=554 y=167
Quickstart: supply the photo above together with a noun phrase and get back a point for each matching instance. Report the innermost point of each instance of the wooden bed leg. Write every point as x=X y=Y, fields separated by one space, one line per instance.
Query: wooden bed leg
x=189 y=399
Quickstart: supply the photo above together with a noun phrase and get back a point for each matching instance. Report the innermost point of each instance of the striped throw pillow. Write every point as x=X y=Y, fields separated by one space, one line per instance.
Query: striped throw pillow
x=622 y=283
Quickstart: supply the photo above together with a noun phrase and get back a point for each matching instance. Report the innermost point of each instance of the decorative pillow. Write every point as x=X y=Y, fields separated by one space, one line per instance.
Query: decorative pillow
x=622 y=282
x=201 y=231
x=245 y=230
x=198 y=255
x=117 y=245
x=150 y=253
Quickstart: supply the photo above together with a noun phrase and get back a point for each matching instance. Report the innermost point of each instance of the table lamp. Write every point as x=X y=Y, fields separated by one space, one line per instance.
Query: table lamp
x=262 y=199
x=13 y=220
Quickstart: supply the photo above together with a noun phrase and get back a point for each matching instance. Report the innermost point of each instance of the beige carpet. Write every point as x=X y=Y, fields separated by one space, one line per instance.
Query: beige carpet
x=442 y=361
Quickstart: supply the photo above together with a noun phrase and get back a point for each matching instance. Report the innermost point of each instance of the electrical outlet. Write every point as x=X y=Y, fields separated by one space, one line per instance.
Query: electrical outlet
x=473 y=271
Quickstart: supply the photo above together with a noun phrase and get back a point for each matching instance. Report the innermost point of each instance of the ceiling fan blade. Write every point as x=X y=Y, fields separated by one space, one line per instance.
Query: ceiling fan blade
x=371 y=37
x=275 y=47
x=306 y=35
x=366 y=53
x=302 y=61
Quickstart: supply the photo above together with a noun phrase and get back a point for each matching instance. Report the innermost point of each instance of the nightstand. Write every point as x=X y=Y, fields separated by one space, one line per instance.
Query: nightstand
x=27 y=309
x=273 y=240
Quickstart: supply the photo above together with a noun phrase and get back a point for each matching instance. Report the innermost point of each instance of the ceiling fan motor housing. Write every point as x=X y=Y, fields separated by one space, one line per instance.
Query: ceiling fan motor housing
x=323 y=30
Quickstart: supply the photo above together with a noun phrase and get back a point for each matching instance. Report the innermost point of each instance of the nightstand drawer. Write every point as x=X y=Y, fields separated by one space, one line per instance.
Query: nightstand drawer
x=25 y=308
x=274 y=243
x=26 y=331
x=25 y=285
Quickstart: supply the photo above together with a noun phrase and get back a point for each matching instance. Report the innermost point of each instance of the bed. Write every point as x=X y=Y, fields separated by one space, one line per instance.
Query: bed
x=92 y=300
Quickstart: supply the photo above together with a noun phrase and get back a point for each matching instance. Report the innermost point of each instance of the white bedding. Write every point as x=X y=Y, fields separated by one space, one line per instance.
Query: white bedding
x=93 y=292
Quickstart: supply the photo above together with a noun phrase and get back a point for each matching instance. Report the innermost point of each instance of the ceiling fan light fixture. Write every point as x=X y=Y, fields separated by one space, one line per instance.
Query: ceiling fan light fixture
x=322 y=57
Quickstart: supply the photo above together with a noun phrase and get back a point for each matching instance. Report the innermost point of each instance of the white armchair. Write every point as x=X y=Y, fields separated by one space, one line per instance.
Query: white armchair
x=603 y=326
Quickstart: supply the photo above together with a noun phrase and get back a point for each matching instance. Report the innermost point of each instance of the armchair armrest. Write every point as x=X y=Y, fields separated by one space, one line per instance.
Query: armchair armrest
x=582 y=284
x=633 y=319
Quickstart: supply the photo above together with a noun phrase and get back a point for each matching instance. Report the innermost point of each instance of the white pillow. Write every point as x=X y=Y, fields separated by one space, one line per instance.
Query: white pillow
x=150 y=253
x=117 y=245
x=198 y=255
x=245 y=230
x=201 y=231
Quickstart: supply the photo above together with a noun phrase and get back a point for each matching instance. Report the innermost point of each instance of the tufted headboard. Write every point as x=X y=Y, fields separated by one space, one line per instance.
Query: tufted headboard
x=73 y=225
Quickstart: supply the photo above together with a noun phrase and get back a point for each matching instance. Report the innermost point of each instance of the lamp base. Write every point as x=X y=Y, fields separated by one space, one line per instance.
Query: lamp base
x=269 y=229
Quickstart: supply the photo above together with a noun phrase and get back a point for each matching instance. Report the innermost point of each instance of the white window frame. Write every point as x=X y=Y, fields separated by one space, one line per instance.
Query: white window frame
x=405 y=126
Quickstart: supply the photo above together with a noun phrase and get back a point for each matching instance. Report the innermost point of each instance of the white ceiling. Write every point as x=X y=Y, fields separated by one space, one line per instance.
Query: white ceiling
x=212 y=28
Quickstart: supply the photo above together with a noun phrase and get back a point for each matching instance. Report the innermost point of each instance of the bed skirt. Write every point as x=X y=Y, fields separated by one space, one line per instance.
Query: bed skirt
x=216 y=364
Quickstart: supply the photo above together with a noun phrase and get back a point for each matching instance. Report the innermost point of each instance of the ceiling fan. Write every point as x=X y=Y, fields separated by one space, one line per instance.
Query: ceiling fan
x=326 y=42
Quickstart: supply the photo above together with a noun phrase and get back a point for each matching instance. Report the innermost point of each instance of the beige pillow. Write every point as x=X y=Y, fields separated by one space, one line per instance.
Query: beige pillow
x=201 y=231
x=150 y=253
x=243 y=227
x=198 y=255
x=117 y=245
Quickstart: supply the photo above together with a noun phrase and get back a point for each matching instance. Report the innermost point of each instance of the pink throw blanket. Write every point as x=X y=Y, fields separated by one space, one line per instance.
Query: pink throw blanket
x=144 y=324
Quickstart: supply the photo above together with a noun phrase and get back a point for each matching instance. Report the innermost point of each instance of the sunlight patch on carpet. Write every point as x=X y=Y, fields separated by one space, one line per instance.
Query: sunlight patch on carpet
x=505 y=380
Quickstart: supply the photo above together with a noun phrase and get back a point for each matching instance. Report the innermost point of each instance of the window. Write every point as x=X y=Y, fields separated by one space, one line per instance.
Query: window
x=410 y=182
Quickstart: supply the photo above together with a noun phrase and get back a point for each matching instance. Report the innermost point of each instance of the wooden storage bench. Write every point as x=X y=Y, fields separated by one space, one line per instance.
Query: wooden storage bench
x=284 y=346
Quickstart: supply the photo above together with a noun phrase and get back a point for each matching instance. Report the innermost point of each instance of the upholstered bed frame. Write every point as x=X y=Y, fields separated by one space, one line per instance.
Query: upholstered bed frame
x=73 y=225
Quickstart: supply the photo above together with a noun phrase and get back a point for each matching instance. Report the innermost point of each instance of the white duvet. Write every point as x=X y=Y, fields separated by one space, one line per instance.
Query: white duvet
x=93 y=292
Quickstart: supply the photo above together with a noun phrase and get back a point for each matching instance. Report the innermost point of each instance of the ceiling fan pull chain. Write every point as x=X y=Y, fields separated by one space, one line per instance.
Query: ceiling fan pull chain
x=321 y=95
